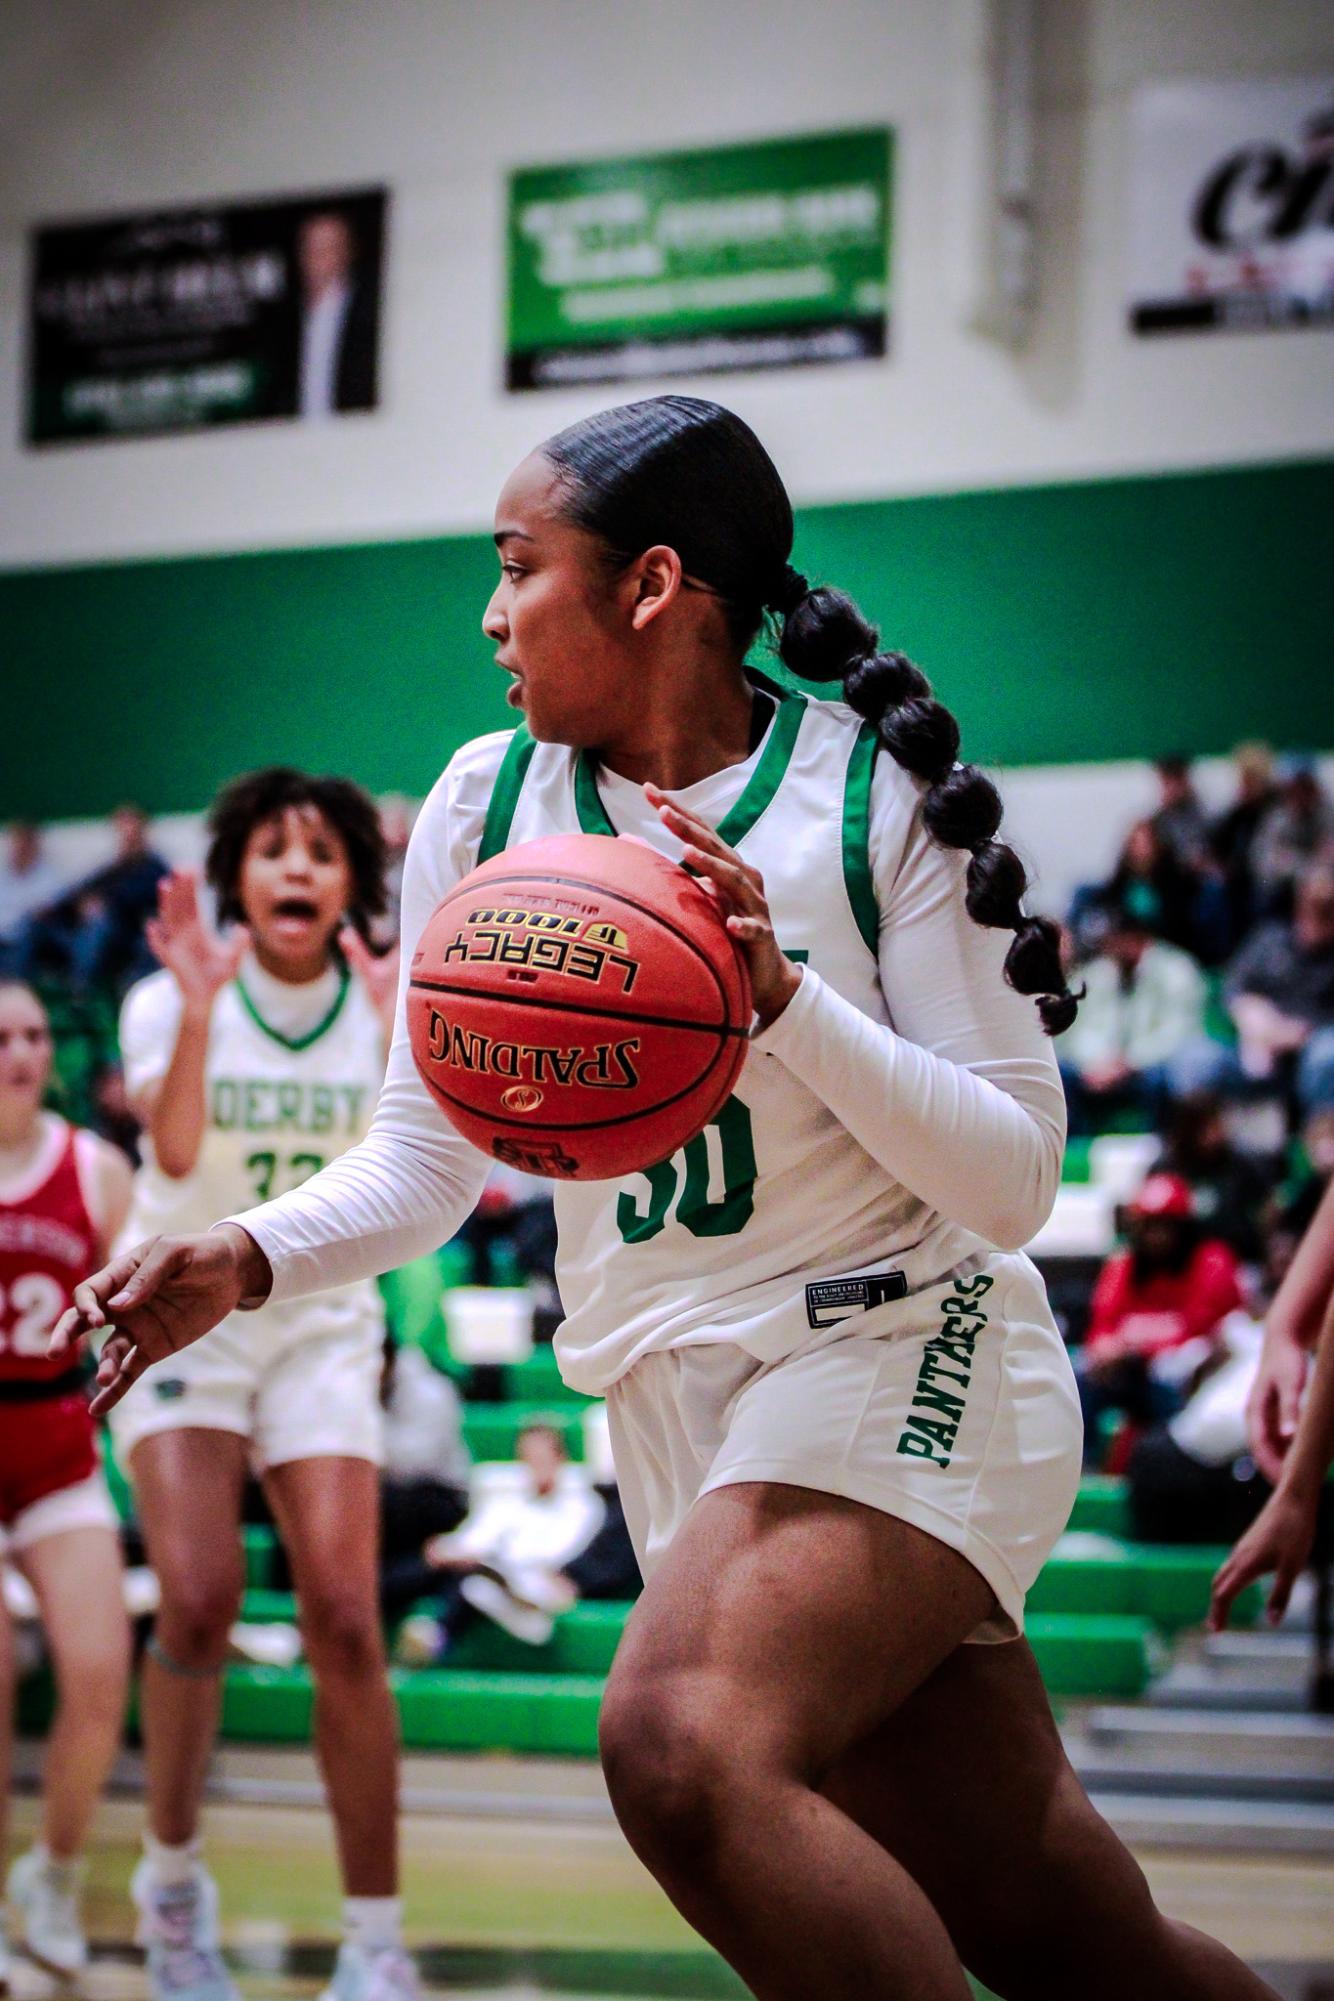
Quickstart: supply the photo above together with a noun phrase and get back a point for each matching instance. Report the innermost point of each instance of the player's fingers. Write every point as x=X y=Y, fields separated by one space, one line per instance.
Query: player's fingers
x=354 y=949
x=1287 y=1575
x=731 y=877
x=92 y=1294
x=148 y=1269
x=114 y=1351
x=1287 y=1398
x=1226 y=1585
x=127 y=1374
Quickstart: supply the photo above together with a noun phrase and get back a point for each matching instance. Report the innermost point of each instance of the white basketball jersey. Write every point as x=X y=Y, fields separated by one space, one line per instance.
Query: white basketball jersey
x=279 y=1108
x=772 y=1224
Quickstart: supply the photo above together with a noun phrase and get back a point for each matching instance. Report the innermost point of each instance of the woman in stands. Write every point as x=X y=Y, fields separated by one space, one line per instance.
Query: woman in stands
x=252 y=1059
x=843 y=1794
x=63 y=1196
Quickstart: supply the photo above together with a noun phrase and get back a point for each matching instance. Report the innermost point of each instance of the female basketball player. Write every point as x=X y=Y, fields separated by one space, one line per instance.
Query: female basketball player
x=63 y=1197
x=252 y=1059
x=834 y=1486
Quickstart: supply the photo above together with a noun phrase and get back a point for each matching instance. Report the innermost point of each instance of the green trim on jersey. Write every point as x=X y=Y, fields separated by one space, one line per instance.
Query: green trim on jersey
x=763 y=783
x=857 y=836
x=297 y=1041
x=505 y=794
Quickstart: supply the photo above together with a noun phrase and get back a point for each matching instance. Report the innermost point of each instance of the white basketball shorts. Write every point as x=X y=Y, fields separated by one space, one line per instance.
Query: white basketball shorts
x=954 y=1409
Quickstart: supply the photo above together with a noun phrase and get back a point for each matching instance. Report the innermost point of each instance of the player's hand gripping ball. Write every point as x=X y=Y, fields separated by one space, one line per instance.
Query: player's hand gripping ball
x=577 y=1007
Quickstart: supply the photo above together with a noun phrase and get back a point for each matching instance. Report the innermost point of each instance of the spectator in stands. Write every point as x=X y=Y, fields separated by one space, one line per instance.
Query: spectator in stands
x=512 y=1233
x=94 y=932
x=1233 y=834
x=1156 y=1310
x=1280 y=993
x=1179 y=821
x=1228 y=1189
x=1143 y=1009
x=425 y=1470
x=1298 y=830
x=1148 y=884
x=1193 y=1479
x=504 y=1562
x=29 y=879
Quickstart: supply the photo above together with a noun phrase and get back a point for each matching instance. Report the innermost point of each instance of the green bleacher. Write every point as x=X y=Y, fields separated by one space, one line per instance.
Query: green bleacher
x=1101 y=1615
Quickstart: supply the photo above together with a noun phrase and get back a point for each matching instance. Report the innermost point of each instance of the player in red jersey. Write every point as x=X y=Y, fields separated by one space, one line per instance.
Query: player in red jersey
x=64 y=1194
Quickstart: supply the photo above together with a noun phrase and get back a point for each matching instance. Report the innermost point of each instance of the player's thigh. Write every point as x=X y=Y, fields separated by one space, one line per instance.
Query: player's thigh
x=785 y=1623
x=188 y=1487
x=968 y=1785
x=78 y=1579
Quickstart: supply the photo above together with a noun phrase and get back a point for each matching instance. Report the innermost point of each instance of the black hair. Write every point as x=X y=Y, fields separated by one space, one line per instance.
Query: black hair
x=260 y=795
x=691 y=475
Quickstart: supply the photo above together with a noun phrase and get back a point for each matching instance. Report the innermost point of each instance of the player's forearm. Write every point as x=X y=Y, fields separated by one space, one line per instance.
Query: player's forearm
x=389 y=1200
x=180 y=1107
x=957 y=1140
x=1300 y=1302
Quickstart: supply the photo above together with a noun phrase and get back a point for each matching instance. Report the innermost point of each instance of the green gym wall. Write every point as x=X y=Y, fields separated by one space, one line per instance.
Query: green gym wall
x=1087 y=621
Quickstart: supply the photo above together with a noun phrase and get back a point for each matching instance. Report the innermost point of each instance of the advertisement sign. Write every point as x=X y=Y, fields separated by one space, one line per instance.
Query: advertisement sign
x=217 y=314
x=768 y=255
x=1232 y=206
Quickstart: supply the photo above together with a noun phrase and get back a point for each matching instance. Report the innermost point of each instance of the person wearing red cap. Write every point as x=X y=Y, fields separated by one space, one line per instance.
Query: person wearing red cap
x=1169 y=1287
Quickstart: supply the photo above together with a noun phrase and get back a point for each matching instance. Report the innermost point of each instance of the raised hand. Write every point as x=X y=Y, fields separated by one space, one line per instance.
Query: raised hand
x=200 y=962
x=157 y=1299
x=1275 y=1402
x=379 y=976
x=740 y=889
x=1278 y=1541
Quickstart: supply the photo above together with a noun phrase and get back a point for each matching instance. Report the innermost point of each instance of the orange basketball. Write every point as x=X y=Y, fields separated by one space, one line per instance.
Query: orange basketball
x=577 y=1007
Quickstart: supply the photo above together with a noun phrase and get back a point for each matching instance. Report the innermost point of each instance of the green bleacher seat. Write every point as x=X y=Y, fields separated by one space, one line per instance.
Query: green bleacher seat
x=1092 y=1655
x=260 y=1544
x=1102 y=1504
x=460 y=1707
x=538 y=1380
x=1077 y=1164
x=261 y=1607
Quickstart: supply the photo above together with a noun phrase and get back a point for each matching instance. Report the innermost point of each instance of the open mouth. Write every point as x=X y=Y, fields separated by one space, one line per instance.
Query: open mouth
x=297 y=909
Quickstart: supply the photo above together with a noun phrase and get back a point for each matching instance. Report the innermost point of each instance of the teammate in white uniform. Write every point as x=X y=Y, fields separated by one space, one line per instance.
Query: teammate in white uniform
x=254 y=1059
x=845 y=1428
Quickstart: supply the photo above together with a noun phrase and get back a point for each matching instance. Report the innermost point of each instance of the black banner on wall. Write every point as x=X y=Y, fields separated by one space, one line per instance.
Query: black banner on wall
x=207 y=315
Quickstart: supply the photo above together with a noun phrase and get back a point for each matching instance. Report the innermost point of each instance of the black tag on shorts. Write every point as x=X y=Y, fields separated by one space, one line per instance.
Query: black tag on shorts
x=830 y=1300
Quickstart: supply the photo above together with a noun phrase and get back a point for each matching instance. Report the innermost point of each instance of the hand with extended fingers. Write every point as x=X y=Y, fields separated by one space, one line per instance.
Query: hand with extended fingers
x=200 y=962
x=157 y=1299
x=740 y=890
x=379 y=976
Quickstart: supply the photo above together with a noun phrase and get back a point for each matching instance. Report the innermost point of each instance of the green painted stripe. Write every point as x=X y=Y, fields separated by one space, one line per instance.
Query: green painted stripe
x=297 y=1041
x=505 y=794
x=759 y=790
x=857 y=836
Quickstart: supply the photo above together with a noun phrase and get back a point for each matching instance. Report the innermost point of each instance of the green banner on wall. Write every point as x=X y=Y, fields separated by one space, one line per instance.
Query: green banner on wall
x=770 y=255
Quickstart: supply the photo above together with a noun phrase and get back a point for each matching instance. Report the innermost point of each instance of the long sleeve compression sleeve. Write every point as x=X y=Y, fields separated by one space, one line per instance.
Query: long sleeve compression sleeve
x=960 y=1099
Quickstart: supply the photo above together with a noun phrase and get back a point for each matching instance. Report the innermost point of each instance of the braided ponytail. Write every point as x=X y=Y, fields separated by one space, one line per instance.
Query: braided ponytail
x=679 y=470
x=825 y=638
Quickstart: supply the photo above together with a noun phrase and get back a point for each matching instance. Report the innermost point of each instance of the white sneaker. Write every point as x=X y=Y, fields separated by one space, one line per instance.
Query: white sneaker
x=178 y=1923
x=373 y=1973
x=525 y=1622
x=46 y=1898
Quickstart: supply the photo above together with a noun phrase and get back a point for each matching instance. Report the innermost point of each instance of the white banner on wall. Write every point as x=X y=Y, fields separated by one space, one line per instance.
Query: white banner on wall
x=1232 y=205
